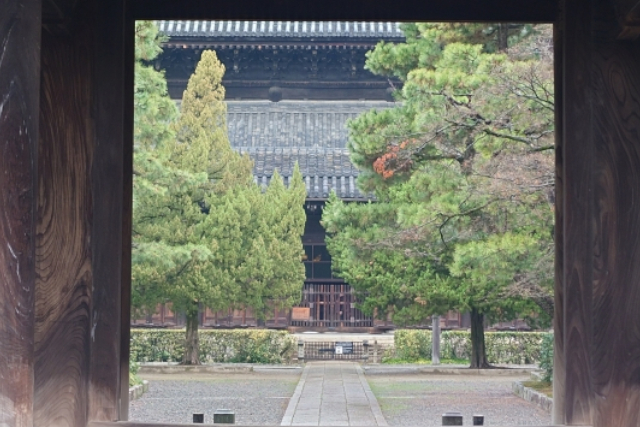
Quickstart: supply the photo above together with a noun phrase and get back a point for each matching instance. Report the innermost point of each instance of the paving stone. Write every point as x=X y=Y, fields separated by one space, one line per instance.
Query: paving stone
x=341 y=393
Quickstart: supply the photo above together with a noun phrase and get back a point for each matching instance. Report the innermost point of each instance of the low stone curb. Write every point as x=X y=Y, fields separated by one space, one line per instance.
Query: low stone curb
x=176 y=368
x=468 y=371
x=445 y=370
x=287 y=419
x=541 y=400
x=373 y=402
x=138 y=390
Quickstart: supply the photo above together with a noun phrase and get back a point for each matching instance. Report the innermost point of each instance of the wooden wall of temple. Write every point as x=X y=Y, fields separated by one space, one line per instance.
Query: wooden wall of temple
x=164 y=317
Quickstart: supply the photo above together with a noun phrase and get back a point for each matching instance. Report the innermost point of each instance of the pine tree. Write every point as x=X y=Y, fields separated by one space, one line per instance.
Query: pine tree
x=463 y=172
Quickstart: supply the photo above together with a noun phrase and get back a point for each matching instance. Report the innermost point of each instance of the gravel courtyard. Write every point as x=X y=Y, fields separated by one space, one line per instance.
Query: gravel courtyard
x=258 y=398
x=407 y=399
x=421 y=399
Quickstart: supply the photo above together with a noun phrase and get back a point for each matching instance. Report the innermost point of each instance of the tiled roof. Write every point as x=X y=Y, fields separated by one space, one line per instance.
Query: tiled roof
x=294 y=123
x=297 y=29
x=323 y=169
x=313 y=161
x=313 y=133
x=319 y=187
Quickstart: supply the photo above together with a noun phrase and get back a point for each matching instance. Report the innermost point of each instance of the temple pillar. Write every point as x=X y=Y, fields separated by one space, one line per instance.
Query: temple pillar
x=597 y=376
x=20 y=24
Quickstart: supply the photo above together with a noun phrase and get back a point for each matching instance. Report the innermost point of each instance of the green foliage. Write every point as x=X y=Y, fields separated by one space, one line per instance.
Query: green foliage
x=462 y=169
x=203 y=232
x=154 y=110
x=546 y=357
x=411 y=344
x=133 y=373
x=216 y=346
x=502 y=347
x=398 y=361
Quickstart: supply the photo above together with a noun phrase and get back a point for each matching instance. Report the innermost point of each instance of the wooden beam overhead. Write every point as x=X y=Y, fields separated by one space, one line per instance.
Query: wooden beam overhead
x=357 y=10
x=628 y=12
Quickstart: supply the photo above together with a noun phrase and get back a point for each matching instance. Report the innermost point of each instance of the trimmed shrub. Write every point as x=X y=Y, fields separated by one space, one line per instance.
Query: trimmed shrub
x=546 y=357
x=412 y=344
x=133 y=373
x=502 y=347
x=216 y=346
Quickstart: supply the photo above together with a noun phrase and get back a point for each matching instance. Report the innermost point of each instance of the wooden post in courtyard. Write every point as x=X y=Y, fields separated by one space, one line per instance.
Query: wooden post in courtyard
x=19 y=91
x=435 y=340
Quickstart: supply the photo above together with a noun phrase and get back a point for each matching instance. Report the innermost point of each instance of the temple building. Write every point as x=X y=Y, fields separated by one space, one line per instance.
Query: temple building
x=291 y=88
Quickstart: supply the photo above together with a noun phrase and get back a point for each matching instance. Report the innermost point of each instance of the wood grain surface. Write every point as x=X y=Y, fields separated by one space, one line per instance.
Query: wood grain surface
x=108 y=203
x=577 y=212
x=19 y=82
x=358 y=10
x=598 y=321
x=63 y=242
x=616 y=277
x=628 y=13
x=558 y=318
x=127 y=215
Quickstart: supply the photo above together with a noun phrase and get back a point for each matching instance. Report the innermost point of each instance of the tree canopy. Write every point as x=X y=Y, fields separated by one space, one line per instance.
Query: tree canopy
x=462 y=170
x=204 y=234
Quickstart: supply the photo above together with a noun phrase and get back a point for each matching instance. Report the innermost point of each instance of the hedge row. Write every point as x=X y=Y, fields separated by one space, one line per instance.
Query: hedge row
x=248 y=346
x=502 y=347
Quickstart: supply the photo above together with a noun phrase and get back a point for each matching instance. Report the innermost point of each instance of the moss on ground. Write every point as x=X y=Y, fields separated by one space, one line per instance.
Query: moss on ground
x=399 y=361
x=541 y=386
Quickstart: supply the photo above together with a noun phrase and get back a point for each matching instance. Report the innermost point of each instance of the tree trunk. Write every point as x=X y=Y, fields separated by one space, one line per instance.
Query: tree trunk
x=192 y=345
x=478 y=351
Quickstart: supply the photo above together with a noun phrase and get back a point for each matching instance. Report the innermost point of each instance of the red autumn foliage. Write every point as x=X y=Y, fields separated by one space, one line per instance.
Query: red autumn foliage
x=398 y=158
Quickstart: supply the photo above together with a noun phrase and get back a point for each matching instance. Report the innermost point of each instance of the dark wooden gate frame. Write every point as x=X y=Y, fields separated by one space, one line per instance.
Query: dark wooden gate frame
x=66 y=79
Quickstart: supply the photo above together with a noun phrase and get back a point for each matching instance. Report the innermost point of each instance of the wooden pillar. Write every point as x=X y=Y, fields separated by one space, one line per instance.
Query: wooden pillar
x=111 y=174
x=558 y=318
x=63 y=241
x=573 y=380
x=82 y=212
x=20 y=23
x=597 y=378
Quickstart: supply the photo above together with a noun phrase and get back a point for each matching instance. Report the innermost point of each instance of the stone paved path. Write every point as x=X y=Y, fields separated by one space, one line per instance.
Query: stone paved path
x=333 y=394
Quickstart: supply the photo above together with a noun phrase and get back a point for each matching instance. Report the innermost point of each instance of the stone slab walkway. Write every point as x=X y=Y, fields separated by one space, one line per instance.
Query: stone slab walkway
x=333 y=394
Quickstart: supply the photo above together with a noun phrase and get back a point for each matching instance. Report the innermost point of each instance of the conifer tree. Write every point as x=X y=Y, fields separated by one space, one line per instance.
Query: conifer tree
x=202 y=147
x=202 y=143
x=463 y=173
x=204 y=234
x=284 y=226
